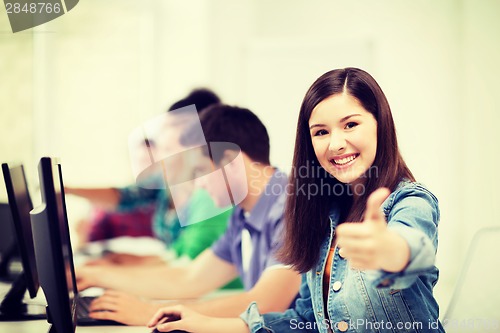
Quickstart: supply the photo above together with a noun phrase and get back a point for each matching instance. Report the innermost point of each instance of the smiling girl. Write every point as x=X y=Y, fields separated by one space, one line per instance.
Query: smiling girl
x=365 y=241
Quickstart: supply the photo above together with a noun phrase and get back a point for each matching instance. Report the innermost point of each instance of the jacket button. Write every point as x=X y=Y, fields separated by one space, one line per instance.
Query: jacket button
x=318 y=273
x=342 y=326
x=336 y=286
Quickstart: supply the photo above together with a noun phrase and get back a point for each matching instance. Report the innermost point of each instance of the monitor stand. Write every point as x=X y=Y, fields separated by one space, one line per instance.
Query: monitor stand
x=12 y=307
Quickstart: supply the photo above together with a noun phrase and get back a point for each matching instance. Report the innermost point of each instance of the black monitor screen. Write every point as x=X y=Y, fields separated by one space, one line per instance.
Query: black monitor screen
x=6 y=230
x=9 y=253
x=53 y=248
x=20 y=206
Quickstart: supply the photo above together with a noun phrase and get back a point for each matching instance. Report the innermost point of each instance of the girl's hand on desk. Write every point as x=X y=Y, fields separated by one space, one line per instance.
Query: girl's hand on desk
x=123 y=308
x=192 y=321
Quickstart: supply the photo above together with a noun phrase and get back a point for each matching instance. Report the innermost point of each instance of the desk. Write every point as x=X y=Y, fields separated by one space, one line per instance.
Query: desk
x=41 y=326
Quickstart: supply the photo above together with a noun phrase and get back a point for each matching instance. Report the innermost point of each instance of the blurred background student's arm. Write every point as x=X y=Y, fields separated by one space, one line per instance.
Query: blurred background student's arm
x=106 y=198
x=204 y=274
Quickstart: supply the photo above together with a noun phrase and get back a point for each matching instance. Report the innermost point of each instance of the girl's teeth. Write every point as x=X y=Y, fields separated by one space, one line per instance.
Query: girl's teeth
x=345 y=160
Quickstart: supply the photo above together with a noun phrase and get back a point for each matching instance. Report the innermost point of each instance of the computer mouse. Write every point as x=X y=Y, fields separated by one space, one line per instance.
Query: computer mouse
x=176 y=331
x=166 y=320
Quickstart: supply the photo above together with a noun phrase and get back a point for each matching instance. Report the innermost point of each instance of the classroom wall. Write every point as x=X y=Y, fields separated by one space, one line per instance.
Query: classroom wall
x=16 y=96
x=105 y=67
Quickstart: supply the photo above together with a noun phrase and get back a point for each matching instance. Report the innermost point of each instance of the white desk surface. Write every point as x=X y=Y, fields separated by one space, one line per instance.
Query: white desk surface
x=41 y=326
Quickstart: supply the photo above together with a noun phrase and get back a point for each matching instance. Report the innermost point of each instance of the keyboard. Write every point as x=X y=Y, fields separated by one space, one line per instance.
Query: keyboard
x=82 y=314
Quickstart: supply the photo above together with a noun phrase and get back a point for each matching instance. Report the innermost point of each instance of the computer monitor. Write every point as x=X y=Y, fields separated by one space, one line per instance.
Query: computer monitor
x=12 y=306
x=10 y=261
x=54 y=255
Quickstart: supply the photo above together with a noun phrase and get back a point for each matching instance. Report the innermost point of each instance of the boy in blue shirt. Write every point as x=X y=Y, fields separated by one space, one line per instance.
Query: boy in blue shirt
x=247 y=247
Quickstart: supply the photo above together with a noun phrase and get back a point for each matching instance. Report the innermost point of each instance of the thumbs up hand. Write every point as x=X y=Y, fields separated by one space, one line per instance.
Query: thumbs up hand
x=373 y=212
x=370 y=244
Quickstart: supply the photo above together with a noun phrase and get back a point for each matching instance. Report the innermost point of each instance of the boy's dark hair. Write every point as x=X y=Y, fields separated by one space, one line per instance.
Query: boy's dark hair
x=201 y=97
x=224 y=123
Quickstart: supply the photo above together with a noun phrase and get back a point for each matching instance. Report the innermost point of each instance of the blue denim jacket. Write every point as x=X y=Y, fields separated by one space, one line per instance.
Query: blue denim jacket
x=370 y=301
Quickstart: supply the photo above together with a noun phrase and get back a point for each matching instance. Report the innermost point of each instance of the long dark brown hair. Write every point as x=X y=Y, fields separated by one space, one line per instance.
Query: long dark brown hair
x=306 y=215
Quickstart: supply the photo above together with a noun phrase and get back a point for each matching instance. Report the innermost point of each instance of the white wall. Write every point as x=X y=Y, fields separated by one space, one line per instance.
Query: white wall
x=16 y=97
x=105 y=67
x=480 y=89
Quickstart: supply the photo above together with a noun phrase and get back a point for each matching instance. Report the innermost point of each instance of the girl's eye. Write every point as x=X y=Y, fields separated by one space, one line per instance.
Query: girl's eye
x=350 y=125
x=321 y=132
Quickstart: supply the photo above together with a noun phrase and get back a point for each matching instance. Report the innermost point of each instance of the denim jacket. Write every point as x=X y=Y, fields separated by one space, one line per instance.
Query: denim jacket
x=370 y=301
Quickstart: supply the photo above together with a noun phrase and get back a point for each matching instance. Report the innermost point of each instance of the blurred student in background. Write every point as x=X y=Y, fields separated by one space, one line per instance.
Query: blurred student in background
x=234 y=167
x=139 y=210
x=104 y=224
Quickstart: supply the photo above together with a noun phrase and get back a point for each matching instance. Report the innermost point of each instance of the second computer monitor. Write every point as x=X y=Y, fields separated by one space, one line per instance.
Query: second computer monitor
x=53 y=249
